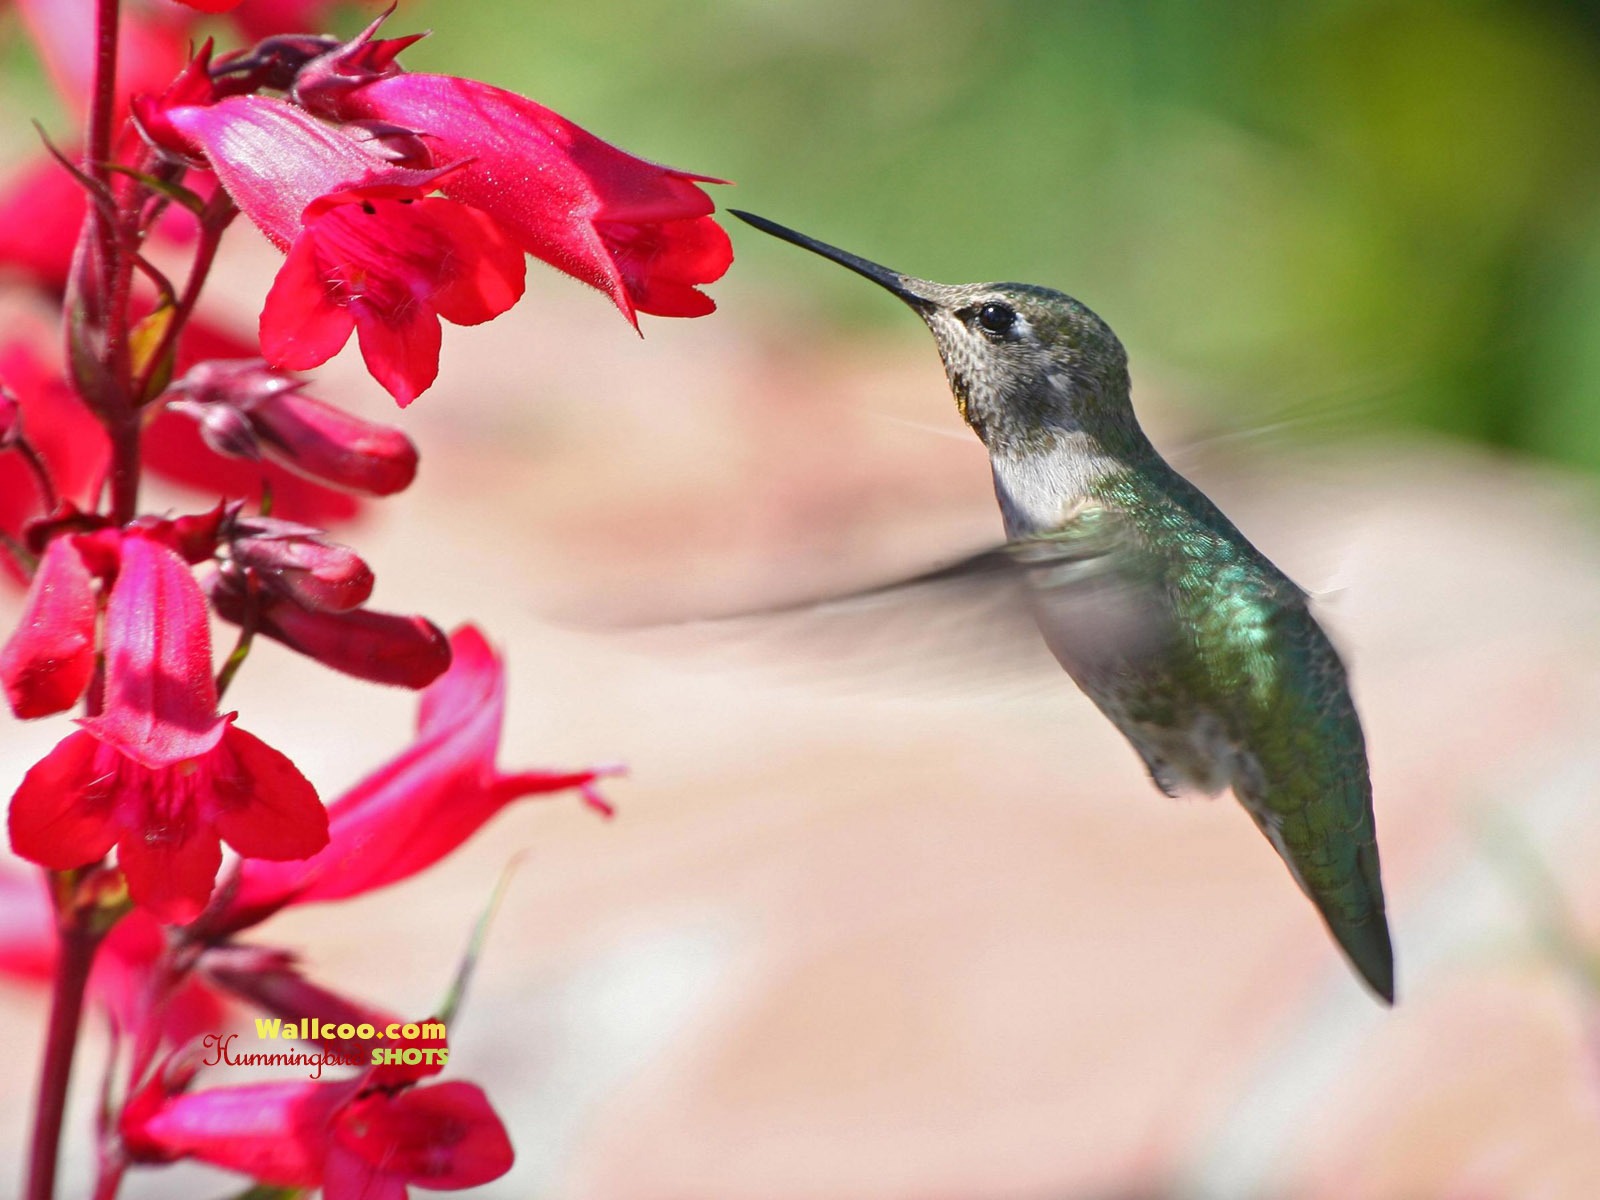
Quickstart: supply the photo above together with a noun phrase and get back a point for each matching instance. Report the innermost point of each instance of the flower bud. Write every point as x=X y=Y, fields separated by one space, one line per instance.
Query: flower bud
x=246 y=409
x=322 y=576
x=239 y=382
x=327 y=444
x=223 y=428
x=270 y=981
x=381 y=647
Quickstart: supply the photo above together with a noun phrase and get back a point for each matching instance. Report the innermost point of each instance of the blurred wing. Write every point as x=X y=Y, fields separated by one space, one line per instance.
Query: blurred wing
x=966 y=624
x=972 y=623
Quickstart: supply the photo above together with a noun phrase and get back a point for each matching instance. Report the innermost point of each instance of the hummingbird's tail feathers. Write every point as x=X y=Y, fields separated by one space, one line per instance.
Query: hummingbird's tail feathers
x=1368 y=947
x=1364 y=939
x=1337 y=869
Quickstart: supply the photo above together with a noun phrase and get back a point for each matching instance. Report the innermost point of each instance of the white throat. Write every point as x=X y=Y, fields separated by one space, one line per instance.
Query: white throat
x=1038 y=490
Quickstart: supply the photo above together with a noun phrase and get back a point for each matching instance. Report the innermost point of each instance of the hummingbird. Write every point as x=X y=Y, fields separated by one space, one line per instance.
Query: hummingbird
x=1202 y=653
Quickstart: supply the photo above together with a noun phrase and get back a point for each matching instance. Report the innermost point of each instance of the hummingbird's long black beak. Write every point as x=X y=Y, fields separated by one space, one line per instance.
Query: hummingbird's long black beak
x=912 y=290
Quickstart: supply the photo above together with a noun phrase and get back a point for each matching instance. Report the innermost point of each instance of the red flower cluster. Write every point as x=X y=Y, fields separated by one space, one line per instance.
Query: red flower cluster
x=166 y=830
x=340 y=172
x=375 y=1129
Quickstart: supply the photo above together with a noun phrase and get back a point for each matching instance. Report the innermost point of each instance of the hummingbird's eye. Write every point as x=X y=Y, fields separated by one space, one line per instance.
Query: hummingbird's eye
x=997 y=318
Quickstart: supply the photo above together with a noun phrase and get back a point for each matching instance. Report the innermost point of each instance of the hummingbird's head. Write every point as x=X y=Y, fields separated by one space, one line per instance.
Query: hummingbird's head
x=1025 y=363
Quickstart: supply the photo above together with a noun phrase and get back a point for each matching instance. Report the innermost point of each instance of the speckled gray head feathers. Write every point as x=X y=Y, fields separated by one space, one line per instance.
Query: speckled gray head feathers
x=1025 y=363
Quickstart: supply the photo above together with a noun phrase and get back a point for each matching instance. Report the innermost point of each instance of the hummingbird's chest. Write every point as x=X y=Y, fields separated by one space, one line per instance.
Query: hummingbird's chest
x=1160 y=611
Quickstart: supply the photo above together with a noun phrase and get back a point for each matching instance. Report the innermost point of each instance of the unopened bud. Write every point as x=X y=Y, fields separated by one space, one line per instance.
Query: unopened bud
x=223 y=428
x=239 y=382
x=331 y=446
x=272 y=62
x=381 y=647
x=324 y=576
x=245 y=409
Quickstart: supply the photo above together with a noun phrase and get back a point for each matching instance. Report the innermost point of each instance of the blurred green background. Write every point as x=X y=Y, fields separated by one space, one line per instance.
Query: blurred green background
x=1369 y=212
x=1330 y=215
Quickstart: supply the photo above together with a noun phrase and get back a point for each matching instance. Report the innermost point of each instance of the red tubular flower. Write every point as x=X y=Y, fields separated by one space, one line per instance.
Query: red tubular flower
x=46 y=663
x=158 y=772
x=355 y=1143
x=376 y=646
x=388 y=263
x=369 y=250
x=419 y=806
x=640 y=232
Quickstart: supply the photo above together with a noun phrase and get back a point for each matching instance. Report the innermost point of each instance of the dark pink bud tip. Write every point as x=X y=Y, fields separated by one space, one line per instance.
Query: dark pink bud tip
x=239 y=382
x=322 y=576
x=223 y=428
x=327 y=444
x=381 y=647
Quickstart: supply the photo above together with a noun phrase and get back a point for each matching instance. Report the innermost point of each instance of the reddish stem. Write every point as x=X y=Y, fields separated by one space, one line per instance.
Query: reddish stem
x=41 y=472
x=102 y=112
x=214 y=222
x=124 y=431
x=78 y=933
x=75 y=955
x=112 y=1168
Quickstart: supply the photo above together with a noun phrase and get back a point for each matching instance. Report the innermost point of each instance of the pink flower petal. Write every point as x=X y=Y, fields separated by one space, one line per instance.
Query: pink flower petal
x=301 y=325
x=171 y=867
x=492 y=272
x=403 y=358
x=46 y=663
x=276 y=1133
x=267 y=809
x=419 y=806
x=444 y=1136
x=59 y=818
x=160 y=696
x=349 y=1176
x=567 y=197
x=274 y=159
